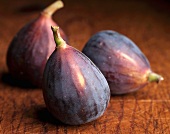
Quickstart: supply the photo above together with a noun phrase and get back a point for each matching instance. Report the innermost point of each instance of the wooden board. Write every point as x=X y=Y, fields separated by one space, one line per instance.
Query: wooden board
x=147 y=23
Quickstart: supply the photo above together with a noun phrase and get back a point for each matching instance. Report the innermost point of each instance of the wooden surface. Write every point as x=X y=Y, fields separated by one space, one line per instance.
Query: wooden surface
x=147 y=23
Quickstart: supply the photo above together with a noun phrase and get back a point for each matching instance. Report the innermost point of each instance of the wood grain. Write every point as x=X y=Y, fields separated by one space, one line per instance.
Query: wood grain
x=147 y=111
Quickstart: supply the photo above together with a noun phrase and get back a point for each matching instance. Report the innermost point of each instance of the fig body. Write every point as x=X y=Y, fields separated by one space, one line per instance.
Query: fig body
x=31 y=47
x=123 y=64
x=74 y=89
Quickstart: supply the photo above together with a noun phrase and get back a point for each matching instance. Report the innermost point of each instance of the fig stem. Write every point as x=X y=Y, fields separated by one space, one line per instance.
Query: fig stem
x=57 y=38
x=153 y=77
x=49 y=11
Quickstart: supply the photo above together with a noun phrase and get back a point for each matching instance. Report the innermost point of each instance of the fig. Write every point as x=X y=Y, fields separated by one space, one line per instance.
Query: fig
x=120 y=60
x=75 y=91
x=31 y=47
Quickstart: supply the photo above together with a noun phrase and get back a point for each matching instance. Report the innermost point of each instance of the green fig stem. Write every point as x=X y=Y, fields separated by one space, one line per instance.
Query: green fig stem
x=49 y=11
x=153 y=77
x=57 y=38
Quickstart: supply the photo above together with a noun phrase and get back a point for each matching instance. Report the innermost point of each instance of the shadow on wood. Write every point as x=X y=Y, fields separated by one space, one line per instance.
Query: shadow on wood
x=8 y=79
x=43 y=115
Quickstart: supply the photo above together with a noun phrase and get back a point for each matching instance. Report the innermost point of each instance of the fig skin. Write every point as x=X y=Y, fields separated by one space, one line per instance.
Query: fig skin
x=74 y=89
x=31 y=47
x=123 y=64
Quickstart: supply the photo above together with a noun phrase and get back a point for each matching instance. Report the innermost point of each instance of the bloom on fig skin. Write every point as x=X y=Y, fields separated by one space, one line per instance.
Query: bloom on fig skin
x=123 y=64
x=31 y=47
x=74 y=89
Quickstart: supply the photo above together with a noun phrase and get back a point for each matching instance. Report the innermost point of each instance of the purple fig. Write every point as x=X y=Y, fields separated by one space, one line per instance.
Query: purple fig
x=123 y=64
x=32 y=46
x=74 y=89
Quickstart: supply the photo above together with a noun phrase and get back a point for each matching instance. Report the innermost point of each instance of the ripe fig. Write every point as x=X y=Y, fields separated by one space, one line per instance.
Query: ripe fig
x=74 y=89
x=32 y=46
x=123 y=64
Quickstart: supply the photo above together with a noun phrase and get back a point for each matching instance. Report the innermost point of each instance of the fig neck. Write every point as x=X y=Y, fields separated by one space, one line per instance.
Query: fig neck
x=57 y=38
x=51 y=9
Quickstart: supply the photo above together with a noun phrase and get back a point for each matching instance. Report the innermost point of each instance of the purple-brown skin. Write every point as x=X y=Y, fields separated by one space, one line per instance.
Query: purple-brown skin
x=74 y=89
x=30 y=49
x=123 y=64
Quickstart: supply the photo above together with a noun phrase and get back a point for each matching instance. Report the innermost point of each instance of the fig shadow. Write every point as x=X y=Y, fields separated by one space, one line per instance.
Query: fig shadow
x=44 y=116
x=8 y=79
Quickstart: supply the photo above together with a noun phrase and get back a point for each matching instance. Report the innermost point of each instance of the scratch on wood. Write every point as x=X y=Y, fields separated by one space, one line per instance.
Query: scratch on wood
x=118 y=130
x=155 y=123
x=13 y=115
x=148 y=120
x=65 y=130
x=133 y=117
x=45 y=128
x=21 y=118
